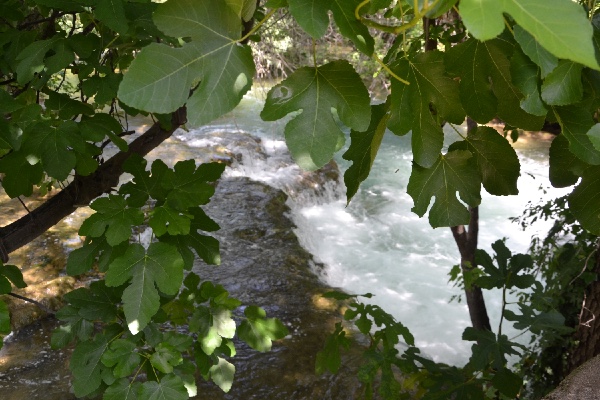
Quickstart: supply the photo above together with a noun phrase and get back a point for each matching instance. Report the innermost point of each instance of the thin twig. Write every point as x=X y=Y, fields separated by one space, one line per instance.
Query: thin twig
x=37 y=303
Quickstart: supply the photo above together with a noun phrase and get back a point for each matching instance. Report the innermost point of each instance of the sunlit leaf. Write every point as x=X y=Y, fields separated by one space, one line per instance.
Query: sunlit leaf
x=222 y=374
x=559 y=26
x=259 y=331
x=160 y=78
x=483 y=18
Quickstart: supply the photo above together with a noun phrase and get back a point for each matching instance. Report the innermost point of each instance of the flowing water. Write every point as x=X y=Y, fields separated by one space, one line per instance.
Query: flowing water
x=377 y=245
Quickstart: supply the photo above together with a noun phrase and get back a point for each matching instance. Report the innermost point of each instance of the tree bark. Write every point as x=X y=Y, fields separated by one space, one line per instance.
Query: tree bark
x=82 y=190
x=587 y=335
x=466 y=240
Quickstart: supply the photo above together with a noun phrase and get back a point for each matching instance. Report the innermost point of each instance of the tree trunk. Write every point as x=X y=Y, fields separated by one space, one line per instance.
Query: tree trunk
x=466 y=240
x=587 y=335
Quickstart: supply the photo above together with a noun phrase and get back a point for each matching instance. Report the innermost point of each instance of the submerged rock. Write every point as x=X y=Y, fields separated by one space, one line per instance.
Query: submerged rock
x=262 y=264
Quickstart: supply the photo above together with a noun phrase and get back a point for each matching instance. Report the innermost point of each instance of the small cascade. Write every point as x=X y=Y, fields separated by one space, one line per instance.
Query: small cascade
x=376 y=244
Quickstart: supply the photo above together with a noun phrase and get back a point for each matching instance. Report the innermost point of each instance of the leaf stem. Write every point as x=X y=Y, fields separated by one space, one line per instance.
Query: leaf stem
x=458 y=132
x=388 y=70
x=503 y=309
x=397 y=29
x=358 y=7
x=257 y=26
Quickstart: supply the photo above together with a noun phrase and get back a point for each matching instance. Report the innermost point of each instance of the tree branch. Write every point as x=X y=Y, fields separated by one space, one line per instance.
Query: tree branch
x=82 y=190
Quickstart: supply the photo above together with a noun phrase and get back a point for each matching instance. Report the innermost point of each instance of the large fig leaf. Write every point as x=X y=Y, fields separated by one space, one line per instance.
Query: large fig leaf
x=161 y=265
x=313 y=136
x=451 y=173
x=486 y=87
x=560 y=26
x=161 y=77
x=430 y=99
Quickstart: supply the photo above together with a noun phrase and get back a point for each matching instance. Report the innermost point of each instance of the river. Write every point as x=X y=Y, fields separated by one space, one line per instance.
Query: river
x=377 y=245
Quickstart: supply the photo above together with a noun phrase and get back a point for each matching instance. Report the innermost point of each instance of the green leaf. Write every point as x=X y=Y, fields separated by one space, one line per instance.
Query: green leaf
x=93 y=305
x=56 y=147
x=170 y=387
x=31 y=59
x=121 y=355
x=161 y=265
x=338 y=295
x=363 y=149
x=112 y=14
x=584 y=201
x=496 y=160
x=4 y=320
x=489 y=349
x=86 y=366
x=562 y=27
x=100 y=126
x=486 y=88
x=222 y=374
x=575 y=122
x=430 y=89
x=82 y=259
x=545 y=60
x=20 y=174
x=258 y=331
x=450 y=173
x=525 y=76
x=313 y=17
x=122 y=390
x=329 y=359
x=5 y=286
x=483 y=18
x=164 y=219
x=559 y=26
x=565 y=167
x=102 y=88
x=313 y=136
x=563 y=85
x=507 y=382
x=189 y=185
x=144 y=185
x=537 y=322
x=13 y=273
x=66 y=106
x=206 y=247
x=112 y=218
x=165 y=358
x=223 y=67
x=212 y=324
